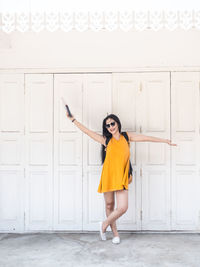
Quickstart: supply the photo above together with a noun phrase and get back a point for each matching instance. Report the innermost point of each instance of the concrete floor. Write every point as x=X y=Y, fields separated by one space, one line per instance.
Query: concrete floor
x=86 y=249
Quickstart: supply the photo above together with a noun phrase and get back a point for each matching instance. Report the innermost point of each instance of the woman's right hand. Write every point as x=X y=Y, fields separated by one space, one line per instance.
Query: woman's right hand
x=71 y=118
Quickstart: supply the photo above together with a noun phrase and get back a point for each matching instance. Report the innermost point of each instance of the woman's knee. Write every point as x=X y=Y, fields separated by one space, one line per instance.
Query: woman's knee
x=110 y=205
x=122 y=209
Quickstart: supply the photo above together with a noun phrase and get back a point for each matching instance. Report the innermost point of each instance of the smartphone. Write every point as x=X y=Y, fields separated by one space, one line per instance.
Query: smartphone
x=67 y=108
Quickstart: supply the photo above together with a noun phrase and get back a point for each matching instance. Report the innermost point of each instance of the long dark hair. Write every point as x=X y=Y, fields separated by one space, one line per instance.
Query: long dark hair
x=107 y=134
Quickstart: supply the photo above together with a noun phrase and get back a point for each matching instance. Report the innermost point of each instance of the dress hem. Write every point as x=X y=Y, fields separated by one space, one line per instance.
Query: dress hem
x=110 y=190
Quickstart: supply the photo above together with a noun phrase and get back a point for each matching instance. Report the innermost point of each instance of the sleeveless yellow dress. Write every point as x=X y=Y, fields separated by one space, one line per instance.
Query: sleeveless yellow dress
x=115 y=169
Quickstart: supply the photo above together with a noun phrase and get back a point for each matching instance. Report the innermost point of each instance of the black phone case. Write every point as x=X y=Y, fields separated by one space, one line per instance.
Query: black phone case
x=68 y=110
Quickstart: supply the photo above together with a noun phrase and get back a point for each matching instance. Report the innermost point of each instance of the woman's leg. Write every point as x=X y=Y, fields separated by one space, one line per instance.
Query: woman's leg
x=122 y=206
x=110 y=204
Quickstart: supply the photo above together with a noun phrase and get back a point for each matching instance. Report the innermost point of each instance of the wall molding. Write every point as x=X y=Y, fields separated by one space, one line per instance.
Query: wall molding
x=99 y=70
x=129 y=20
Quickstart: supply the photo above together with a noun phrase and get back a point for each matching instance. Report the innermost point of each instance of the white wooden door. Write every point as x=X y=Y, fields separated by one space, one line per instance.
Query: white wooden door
x=126 y=106
x=50 y=170
x=96 y=106
x=39 y=151
x=11 y=152
x=142 y=101
x=154 y=157
x=67 y=153
x=186 y=158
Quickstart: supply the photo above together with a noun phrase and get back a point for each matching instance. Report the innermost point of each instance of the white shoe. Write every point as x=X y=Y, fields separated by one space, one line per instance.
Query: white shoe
x=116 y=240
x=102 y=235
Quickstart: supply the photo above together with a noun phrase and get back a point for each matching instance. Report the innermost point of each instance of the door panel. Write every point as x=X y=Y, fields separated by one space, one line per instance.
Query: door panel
x=126 y=104
x=96 y=106
x=142 y=100
x=39 y=151
x=12 y=152
x=155 y=156
x=186 y=158
x=67 y=153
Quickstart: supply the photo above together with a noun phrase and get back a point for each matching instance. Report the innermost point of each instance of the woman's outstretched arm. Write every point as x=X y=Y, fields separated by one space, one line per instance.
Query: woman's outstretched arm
x=97 y=137
x=145 y=138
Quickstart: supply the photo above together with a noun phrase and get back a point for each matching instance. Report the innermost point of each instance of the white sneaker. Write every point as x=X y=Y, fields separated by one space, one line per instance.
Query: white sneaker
x=116 y=240
x=102 y=235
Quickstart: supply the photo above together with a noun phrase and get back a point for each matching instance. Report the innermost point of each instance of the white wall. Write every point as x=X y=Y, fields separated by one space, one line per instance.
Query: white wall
x=89 y=49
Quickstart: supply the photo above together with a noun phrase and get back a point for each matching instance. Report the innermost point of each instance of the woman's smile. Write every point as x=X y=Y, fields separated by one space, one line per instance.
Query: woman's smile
x=112 y=130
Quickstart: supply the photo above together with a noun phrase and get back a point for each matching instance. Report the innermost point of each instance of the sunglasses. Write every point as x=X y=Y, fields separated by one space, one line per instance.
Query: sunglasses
x=110 y=124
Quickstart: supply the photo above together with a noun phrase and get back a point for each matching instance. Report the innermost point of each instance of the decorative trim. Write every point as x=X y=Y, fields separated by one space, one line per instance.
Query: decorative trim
x=135 y=69
x=97 y=21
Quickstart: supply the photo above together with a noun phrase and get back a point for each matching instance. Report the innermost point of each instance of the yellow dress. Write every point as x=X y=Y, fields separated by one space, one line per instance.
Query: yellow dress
x=115 y=169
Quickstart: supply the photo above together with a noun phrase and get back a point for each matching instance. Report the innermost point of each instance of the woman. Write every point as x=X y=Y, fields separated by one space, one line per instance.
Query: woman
x=114 y=177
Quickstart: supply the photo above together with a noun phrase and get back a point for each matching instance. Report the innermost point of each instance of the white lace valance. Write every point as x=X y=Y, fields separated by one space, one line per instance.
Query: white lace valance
x=97 y=21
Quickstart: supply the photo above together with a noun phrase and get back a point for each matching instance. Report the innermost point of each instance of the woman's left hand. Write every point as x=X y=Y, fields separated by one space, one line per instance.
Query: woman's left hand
x=169 y=143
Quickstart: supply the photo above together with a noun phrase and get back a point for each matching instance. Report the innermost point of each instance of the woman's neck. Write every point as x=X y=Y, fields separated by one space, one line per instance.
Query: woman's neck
x=116 y=135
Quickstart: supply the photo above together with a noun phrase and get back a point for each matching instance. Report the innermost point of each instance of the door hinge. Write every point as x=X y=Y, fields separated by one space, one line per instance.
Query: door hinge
x=24 y=220
x=141 y=215
x=140 y=86
x=140 y=172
